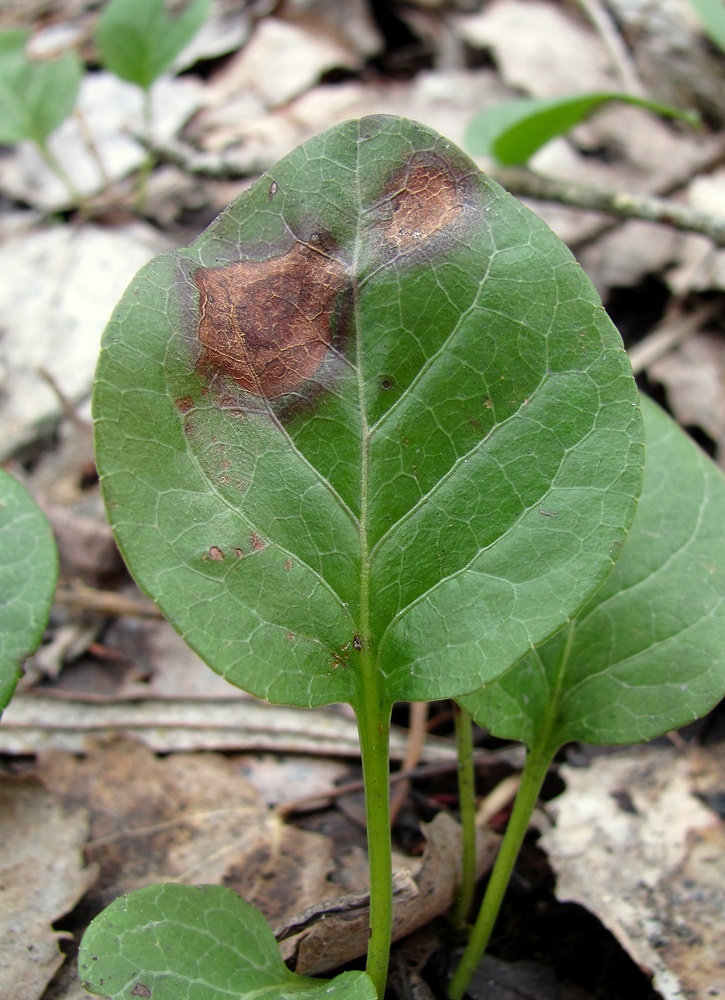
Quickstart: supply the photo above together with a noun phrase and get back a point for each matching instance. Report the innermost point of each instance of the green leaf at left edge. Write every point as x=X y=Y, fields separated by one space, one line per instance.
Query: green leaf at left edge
x=647 y=654
x=180 y=942
x=138 y=40
x=510 y=133
x=28 y=573
x=36 y=95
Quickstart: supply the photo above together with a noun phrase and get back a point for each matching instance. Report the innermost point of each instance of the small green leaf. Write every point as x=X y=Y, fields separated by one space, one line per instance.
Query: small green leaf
x=647 y=654
x=36 y=95
x=373 y=421
x=180 y=942
x=28 y=572
x=138 y=40
x=712 y=15
x=512 y=132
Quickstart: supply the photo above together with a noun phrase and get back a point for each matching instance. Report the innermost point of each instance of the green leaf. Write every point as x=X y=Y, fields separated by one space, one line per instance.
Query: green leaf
x=647 y=654
x=374 y=419
x=36 y=95
x=138 y=40
x=180 y=942
x=712 y=15
x=28 y=572
x=512 y=132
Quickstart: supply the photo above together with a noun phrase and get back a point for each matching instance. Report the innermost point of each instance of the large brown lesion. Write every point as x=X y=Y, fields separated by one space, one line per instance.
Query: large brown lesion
x=425 y=198
x=269 y=324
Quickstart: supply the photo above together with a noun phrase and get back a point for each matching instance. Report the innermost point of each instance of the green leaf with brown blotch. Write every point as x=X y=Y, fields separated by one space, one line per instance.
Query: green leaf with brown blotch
x=374 y=419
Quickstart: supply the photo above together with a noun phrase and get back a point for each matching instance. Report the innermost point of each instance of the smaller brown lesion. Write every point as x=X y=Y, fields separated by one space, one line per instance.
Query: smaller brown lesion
x=269 y=324
x=425 y=198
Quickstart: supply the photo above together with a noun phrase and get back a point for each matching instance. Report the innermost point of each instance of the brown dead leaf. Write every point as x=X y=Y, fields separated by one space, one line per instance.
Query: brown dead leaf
x=189 y=818
x=539 y=47
x=694 y=377
x=42 y=877
x=426 y=888
x=634 y=845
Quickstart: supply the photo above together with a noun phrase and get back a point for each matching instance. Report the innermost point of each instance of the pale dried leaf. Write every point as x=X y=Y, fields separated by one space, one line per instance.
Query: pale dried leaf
x=635 y=846
x=188 y=818
x=57 y=289
x=539 y=47
x=343 y=936
x=32 y=723
x=694 y=378
x=42 y=877
x=280 y=61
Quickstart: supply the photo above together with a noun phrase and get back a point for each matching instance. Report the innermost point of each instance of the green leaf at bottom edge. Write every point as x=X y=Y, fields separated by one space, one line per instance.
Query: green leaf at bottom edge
x=180 y=942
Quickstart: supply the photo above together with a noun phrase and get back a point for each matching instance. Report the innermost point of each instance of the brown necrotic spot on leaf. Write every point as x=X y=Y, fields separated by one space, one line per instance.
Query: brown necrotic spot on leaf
x=425 y=198
x=216 y=554
x=256 y=542
x=269 y=324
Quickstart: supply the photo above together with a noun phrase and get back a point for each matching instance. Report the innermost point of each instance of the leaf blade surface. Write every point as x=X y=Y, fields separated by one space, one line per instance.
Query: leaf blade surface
x=28 y=573
x=375 y=409
x=180 y=942
x=645 y=655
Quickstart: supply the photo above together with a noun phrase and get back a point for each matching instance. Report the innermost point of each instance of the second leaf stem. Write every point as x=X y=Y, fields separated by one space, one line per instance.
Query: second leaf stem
x=532 y=778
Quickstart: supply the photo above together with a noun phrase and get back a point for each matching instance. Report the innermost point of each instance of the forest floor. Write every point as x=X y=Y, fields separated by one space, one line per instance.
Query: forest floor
x=121 y=752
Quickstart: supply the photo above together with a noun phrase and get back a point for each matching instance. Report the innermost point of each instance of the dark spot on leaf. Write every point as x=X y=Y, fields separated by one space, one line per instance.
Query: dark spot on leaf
x=426 y=197
x=256 y=542
x=288 y=564
x=185 y=404
x=216 y=554
x=357 y=642
x=273 y=189
x=386 y=383
x=269 y=324
x=289 y=636
x=140 y=990
x=238 y=553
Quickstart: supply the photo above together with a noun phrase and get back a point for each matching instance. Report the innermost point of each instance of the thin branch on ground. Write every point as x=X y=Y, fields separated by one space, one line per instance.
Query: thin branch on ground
x=623 y=204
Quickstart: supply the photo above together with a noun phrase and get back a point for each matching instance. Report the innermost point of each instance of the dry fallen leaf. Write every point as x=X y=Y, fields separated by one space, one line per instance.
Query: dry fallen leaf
x=426 y=888
x=42 y=877
x=634 y=845
x=33 y=723
x=72 y=279
x=189 y=818
x=694 y=377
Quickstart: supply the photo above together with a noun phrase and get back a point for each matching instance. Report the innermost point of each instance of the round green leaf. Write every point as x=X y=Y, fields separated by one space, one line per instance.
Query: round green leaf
x=36 y=95
x=28 y=572
x=375 y=411
x=180 y=942
x=647 y=654
x=138 y=40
